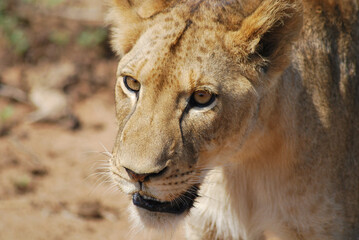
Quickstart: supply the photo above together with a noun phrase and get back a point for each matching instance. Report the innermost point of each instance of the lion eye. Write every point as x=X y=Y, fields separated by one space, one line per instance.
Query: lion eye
x=202 y=98
x=132 y=84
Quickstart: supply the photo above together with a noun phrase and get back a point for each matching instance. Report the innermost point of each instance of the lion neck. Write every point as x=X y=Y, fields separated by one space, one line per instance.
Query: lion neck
x=270 y=144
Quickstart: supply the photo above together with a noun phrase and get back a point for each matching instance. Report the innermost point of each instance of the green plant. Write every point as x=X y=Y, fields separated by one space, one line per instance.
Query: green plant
x=91 y=38
x=12 y=30
x=22 y=183
x=6 y=113
x=3 y=5
x=60 y=38
x=19 y=41
x=46 y=3
x=54 y=3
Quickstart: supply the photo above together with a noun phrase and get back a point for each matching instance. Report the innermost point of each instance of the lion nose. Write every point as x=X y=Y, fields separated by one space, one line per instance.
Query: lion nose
x=144 y=176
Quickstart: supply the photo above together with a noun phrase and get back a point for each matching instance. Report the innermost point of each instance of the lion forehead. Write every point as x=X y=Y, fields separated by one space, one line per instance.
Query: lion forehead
x=171 y=52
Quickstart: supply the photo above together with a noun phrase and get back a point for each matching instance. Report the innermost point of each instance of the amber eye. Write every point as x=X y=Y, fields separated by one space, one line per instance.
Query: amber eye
x=132 y=84
x=202 y=98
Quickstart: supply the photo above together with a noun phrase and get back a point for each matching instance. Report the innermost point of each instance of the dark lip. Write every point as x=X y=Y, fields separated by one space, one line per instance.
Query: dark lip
x=177 y=206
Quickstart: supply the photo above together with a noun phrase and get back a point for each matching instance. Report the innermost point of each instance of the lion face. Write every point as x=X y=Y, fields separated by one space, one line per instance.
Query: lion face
x=182 y=97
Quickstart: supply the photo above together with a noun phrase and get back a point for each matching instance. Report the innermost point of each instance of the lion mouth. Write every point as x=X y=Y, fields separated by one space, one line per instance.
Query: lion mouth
x=176 y=206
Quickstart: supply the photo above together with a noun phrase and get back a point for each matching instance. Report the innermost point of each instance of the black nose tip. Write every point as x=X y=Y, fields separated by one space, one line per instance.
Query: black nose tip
x=143 y=177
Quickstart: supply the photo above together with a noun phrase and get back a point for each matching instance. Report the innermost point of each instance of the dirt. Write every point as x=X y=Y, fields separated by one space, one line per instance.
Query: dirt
x=53 y=184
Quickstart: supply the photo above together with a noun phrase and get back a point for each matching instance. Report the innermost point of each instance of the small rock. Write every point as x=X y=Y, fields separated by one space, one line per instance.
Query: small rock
x=39 y=171
x=51 y=104
x=90 y=210
x=46 y=83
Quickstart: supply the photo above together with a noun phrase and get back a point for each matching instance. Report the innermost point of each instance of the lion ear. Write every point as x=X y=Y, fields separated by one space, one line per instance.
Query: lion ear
x=268 y=33
x=127 y=19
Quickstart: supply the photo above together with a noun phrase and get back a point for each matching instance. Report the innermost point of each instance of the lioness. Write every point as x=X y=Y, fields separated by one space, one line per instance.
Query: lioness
x=241 y=116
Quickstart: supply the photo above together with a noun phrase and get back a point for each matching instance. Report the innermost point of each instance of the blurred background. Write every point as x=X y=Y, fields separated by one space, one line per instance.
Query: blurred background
x=57 y=76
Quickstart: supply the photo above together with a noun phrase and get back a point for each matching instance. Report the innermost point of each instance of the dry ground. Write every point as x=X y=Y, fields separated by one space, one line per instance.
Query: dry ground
x=51 y=181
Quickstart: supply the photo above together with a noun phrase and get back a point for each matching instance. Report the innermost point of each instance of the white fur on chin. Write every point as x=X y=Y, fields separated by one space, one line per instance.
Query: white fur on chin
x=144 y=220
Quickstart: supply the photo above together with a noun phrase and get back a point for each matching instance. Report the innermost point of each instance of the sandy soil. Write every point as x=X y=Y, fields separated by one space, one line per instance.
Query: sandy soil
x=52 y=184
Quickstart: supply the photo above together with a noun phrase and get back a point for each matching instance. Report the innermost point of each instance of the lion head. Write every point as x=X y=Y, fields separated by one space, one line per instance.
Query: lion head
x=189 y=82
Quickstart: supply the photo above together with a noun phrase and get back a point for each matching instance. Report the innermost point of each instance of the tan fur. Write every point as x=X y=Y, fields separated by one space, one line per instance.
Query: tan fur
x=277 y=154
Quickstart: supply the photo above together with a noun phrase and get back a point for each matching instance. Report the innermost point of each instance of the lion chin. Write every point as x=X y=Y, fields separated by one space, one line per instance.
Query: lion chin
x=149 y=212
x=142 y=219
